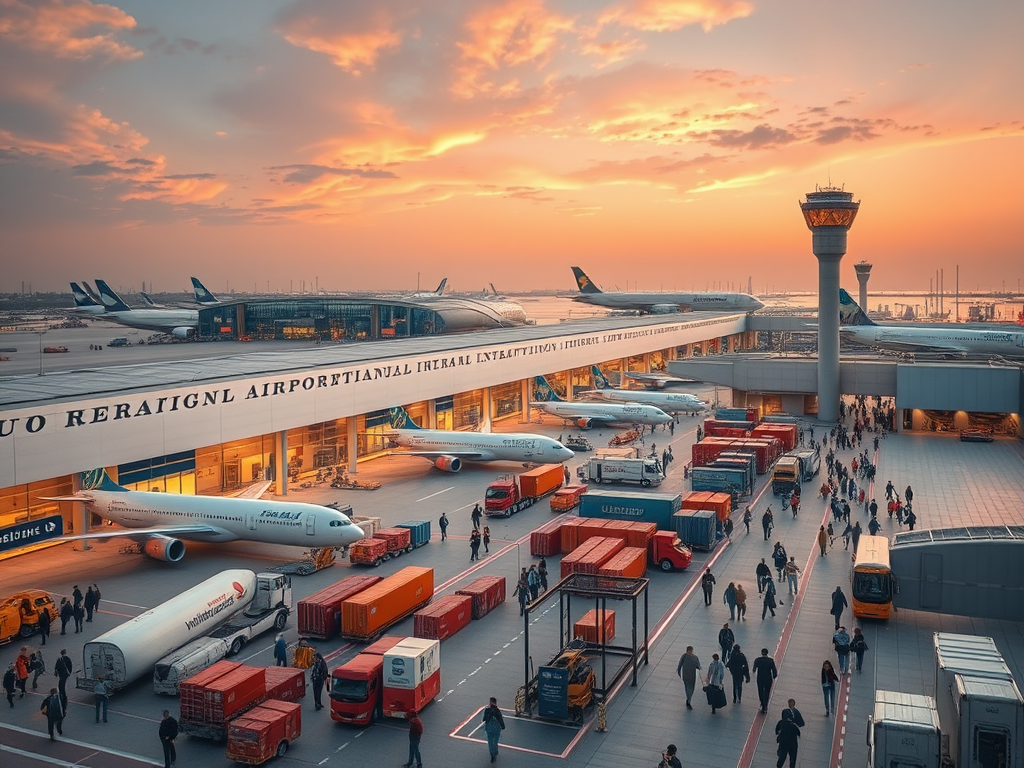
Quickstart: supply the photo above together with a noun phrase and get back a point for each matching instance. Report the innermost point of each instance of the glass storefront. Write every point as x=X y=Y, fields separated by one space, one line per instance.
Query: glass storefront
x=175 y=473
x=658 y=362
x=506 y=400
x=468 y=410
x=22 y=503
x=637 y=364
x=582 y=380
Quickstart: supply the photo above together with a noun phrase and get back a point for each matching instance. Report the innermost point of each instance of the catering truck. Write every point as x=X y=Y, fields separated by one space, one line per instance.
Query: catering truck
x=131 y=650
x=786 y=476
x=645 y=472
x=511 y=493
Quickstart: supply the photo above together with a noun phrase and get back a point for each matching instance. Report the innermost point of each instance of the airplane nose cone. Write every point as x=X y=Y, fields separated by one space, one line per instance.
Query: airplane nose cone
x=755 y=305
x=564 y=454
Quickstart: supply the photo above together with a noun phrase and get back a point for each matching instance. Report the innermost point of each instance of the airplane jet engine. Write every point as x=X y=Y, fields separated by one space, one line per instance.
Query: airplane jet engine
x=584 y=423
x=184 y=332
x=165 y=548
x=664 y=309
x=448 y=463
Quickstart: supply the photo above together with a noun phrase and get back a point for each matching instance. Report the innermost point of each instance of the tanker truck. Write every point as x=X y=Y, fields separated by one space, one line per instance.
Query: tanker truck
x=252 y=603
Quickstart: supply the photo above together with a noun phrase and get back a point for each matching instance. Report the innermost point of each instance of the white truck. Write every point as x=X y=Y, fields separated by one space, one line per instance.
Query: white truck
x=645 y=472
x=179 y=665
x=130 y=651
x=269 y=609
x=903 y=730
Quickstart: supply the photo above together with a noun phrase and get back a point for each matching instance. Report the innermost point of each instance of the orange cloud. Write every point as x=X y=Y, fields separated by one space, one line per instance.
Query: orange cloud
x=67 y=29
x=352 y=52
x=611 y=52
x=669 y=15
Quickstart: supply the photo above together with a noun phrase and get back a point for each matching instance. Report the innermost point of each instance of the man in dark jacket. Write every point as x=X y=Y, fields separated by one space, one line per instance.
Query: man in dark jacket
x=44 y=625
x=739 y=670
x=707 y=583
x=442 y=523
x=79 y=615
x=90 y=603
x=318 y=674
x=76 y=594
x=765 y=671
x=63 y=669
x=415 y=734
x=726 y=639
x=762 y=572
x=54 y=712
x=838 y=604
x=67 y=613
x=168 y=733
x=788 y=735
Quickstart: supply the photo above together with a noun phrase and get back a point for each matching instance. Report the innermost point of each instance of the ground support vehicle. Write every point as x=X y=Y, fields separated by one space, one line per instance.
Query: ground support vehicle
x=786 y=476
x=644 y=472
x=399 y=540
x=903 y=730
x=369 y=552
x=578 y=444
x=269 y=609
x=567 y=498
x=511 y=493
x=419 y=531
x=172 y=669
x=19 y=613
x=810 y=463
x=669 y=552
x=264 y=732
x=356 y=686
x=412 y=676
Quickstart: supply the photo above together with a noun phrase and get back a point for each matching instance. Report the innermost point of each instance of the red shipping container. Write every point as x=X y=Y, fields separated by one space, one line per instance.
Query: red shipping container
x=192 y=698
x=785 y=433
x=570 y=530
x=255 y=737
x=285 y=683
x=631 y=563
x=368 y=552
x=546 y=543
x=233 y=693
x=599 y=555
x=586 y=627
x=488 y=592
x=708 y=449
x=590 y=528
x=398 y=539
x=443 y=618
x=319 y=615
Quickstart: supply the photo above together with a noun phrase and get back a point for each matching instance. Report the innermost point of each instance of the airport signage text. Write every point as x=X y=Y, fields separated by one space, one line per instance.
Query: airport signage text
x=32 y=532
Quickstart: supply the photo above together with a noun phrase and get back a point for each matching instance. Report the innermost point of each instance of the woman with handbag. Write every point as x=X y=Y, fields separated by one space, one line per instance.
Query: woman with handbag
x=715 y=684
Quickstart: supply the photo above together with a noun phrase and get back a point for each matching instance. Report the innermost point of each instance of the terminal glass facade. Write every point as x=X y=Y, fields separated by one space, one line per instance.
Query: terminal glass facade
x=175 y=473
x=468 y=410
x=637 y=364
x=506 y=400
x=234 y=465
x=22 y=503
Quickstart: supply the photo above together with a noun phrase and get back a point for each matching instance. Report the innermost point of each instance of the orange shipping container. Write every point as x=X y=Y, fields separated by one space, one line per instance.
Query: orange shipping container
x=546 y=543
x=541 y=480
x=631 y=563
x=586 y=627
x=376 y=608
x=599 y=555
x=590 y=528
x=570 y=530
x=567 y=498
x=641 y=534
x=719 y=503
x=570 y=560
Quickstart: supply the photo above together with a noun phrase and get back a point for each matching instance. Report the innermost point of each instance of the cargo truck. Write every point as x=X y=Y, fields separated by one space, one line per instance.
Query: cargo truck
x=656 y=508
x=668 y=552
x=356 y=685
x=412 y=676
x=786 y=476
x=511 y=493
x=269 y=609
x=264 y=732
x=903 y=730
x=130 y=651
x=645 y=472
x=810 y=462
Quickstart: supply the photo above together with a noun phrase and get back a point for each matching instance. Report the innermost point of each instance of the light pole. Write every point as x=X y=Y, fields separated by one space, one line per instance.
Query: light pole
x=40 y=335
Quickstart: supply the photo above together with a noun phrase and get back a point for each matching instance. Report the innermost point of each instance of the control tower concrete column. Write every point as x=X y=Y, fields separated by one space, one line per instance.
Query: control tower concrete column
x=863 y=270
x=829 y=213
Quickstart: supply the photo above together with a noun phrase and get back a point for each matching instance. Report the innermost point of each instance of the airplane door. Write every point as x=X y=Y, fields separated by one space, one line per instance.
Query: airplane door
x=310 y=524
x=250 y=521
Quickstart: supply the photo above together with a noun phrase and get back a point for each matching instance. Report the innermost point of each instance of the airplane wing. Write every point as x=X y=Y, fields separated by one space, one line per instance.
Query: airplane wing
x=467 y=455
x=254 y=491
x=184 y=531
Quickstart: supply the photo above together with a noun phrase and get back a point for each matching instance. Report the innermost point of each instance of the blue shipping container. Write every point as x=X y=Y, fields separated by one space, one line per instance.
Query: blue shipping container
x=636 y=507
x=696 y=528
x=731 y=414
x=723 y=479
x=419 y=531
x=737 y=464
x=749 y=458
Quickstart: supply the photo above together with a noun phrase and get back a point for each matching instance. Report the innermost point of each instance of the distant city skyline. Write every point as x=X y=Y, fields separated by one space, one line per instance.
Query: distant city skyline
x=663 y=143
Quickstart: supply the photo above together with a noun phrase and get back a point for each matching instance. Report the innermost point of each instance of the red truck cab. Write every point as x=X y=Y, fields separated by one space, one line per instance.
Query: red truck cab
x=668 y=552
x=511 y=493
x=501 y=499
x=357 y=685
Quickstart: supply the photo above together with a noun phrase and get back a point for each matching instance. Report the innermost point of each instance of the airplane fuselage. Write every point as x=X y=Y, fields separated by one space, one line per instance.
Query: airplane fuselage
x=661 y=303
x=489 y=446
x=942 y=339
x=669 y=402
x=604 y=413
x=162 y=320
x=271 y=522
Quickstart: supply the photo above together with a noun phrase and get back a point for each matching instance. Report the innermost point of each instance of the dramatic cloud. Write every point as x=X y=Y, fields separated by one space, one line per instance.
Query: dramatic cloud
x=353 y=40
x=69 y=30
x=669 y=15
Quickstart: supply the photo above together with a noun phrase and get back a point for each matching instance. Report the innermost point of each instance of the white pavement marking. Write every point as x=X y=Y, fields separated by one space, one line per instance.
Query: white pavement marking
x=451 y=487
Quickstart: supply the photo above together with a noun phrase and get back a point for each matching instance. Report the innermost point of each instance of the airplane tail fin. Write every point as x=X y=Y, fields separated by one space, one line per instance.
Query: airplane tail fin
x=493 y=289
x=441 y=286
x=92 y=294
x=400 y=419
x=149 y=300
x=203 y=296
x=543 y=391
x=110 y=300
x=82 y=299
x=98 y=480
x=600 y=380
x=586 y=285
x=849 y=311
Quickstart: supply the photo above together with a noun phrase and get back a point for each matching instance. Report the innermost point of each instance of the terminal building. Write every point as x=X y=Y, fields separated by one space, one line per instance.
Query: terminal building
x=213 y=426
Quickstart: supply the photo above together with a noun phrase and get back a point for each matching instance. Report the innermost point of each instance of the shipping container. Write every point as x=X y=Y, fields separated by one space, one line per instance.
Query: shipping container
x=708 y=449
x=742 y=465
x=570 y=534
x=745 y=460
x=443 y=618
x=320 y=613
x=412 y=676
x=567 y=498
x=232 y=693
x=264 y=732
x=399 y=540
x=285 y=683
x=419 y=530
x=631 y=562
x=656 y=508
x=617 y=453
x=634 y=534
x=785 y=433
x=721 y=503
x=696 y=528
x=592 y=561
x=546 y=543
x=737 y=414
x=368 y=613
x=570 y=560
x=368 y=552
x=488 y=592
x=720 y=480
x=589 y=529
x=191 y=703
x=587 y=627
x=209 y=705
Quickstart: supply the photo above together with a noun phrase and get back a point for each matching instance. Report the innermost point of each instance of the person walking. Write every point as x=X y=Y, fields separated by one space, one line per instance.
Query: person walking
x=687 y=669
x=280 y=651
x=858 y=645
x=415 y=734
x=763 y=573
x=841 y=642
x=727 y=527
x=442 y=523
x=90 y=603
x=486 y=538
x=787 y=734
x=669 y=758
x=792 y=573
x=542 y=571
x=828 y=686
x=707 y=583
x=726 y=640
x=748 y=517
x=874 y=526
x=475 y=516
x=76 y=595
x=494 y=724
x=729 y=598
x=533 y=582
x=102 y=692
x=838 y=604
x=21 y=670
x=795 y=713
x=96 y=592
x=318 y=674
x=855 y=535
x=44 y=625
x=36 y=665
x=768 y=603
x=10 y=681
x=822 y=541
x=740 y=671
x=63 y=669
x=715 y=683
x=779 y=558
x=54 y=711
x=168 y=733
x=741 y=603
x=909 y=495
x=66 y=614
x=766 y=523
x=474 y=545
x=523 y=592
x=765 y=673
x=79 y=615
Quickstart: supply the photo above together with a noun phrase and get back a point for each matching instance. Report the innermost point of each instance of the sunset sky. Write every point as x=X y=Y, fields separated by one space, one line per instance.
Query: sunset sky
x=663 y=144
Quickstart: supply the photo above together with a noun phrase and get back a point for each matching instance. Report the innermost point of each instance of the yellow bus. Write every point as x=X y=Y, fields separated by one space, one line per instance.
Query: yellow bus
x=873 y=584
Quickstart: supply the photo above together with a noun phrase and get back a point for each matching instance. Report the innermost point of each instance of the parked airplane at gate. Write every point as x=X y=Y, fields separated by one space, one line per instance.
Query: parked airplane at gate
x=658 y=303
x=202 y=294
x=180 y=323
x=942 y=339
x=656 y=380
x=587 y=415
x=449 y=449
x=84 y=303
x=669 y=402
x=161 y=521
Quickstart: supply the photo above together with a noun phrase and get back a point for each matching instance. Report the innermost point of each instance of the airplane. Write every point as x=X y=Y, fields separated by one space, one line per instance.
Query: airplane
x=662 y=303
x=655 y=380
x=854 y=324
x=180 y=323
x=161 y=522
x=150 y=304
x=203 y=295
x=439 y=291
x=84 y=303
x=669 y=402
x=449 y=449
x=587 y=415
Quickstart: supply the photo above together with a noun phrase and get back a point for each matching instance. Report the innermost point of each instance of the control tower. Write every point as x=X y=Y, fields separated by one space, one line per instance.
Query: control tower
x=863 y=270
x=829 y=213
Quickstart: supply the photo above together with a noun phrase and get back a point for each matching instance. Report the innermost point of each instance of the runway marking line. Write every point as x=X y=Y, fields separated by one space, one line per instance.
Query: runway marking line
x=434 y=494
